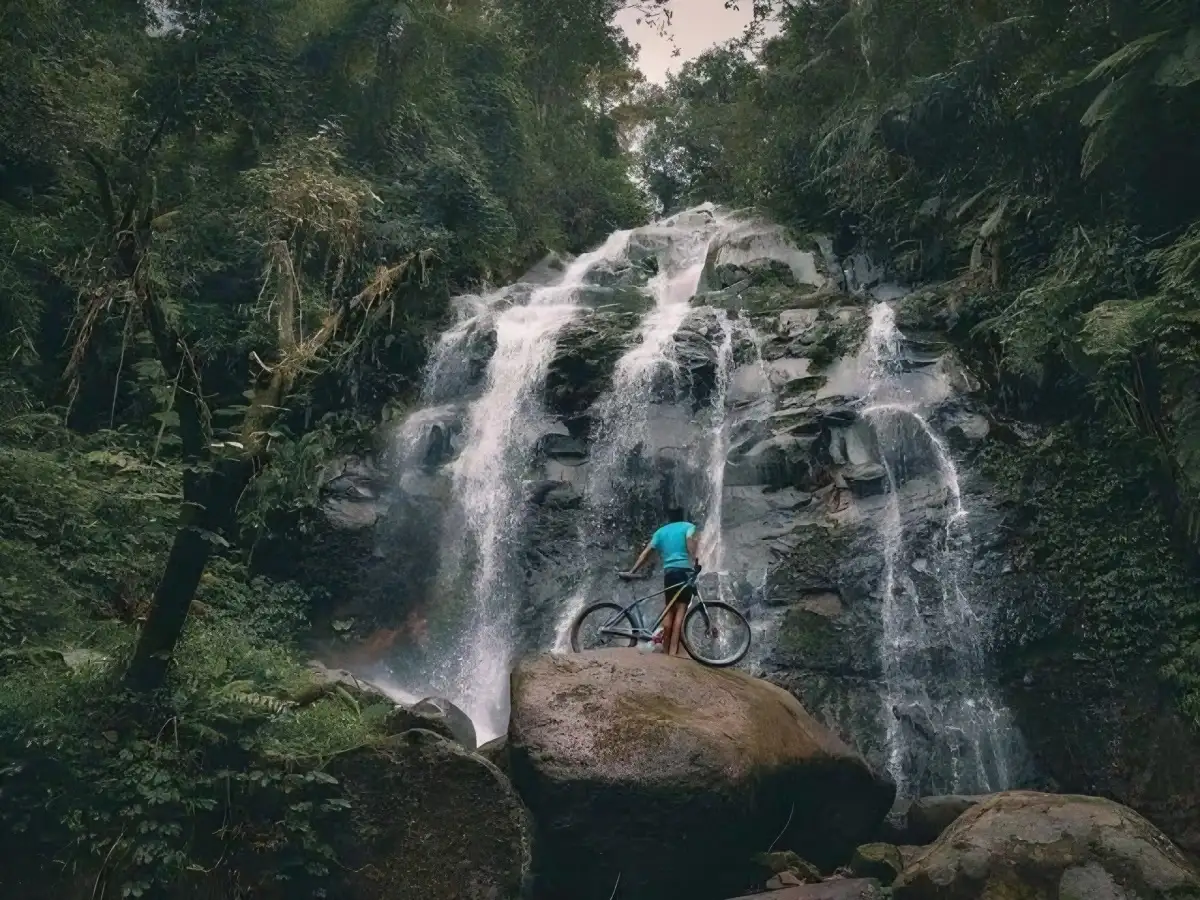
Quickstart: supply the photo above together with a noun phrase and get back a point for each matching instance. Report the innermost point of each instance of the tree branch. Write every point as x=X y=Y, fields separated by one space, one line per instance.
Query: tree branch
x=104 y=188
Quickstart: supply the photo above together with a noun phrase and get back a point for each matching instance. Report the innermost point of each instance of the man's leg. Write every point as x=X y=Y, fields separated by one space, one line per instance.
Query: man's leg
x=677 y=612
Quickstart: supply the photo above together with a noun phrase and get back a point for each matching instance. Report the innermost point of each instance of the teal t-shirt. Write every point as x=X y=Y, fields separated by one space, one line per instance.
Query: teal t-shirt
x=671 y=543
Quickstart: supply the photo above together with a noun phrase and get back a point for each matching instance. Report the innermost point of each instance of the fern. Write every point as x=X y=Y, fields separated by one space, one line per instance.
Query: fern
x=243 y=693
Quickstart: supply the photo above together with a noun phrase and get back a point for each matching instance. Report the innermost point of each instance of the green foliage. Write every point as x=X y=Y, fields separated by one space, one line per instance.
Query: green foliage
x=228 y=781
x=1040 y=155
x=1089 y=522
x=236 y=224
x=83 y=529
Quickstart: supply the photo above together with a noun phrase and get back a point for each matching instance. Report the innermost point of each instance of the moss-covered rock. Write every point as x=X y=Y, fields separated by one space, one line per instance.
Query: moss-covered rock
x=581 y=369
x=883 y=862
x=679 y=771
x=813 y=636
x=786 y=861
x=1095 y=613
x=1029 y=846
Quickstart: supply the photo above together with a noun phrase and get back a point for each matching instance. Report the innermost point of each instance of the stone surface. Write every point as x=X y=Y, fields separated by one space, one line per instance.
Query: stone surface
x=437 y=715
x=882 y=862
x=1032 y=846
x=459 y=722
x=496 y=752
x=909 y=853
x=433 y=822
x=1119 y=737
x=928 y=817
x=779 y=862
x=840 y=889
x=676 y=775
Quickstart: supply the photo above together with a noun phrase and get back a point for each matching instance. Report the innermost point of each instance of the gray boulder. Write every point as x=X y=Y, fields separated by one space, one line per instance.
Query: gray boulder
x=676 y=775
x=928 y=817
x=841 y=889
x=1033 y=846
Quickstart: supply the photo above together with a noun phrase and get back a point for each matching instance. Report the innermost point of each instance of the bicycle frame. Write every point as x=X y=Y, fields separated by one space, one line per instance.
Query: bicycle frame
x=639 y=631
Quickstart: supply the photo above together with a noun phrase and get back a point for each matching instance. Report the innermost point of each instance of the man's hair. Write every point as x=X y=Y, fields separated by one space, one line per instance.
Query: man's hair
x=676 y=514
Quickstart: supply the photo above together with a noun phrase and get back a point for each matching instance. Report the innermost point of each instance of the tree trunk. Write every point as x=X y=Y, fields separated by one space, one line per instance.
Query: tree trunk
x=209 y=502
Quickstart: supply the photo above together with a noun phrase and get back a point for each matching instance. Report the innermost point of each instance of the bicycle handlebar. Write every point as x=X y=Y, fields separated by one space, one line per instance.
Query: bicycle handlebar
x=630 y=576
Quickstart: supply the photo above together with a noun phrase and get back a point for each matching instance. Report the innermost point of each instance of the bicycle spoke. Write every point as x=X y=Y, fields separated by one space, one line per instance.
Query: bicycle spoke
x=716 y=634
x=602 y=626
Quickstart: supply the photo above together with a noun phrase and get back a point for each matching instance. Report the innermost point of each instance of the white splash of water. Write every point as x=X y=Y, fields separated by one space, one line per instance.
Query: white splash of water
x=950 y=695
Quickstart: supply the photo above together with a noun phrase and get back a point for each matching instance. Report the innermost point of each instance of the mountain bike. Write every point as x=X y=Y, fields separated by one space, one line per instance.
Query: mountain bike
x=608 y=624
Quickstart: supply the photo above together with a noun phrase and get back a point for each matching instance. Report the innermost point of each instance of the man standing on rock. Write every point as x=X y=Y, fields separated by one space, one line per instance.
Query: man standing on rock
x=676 y=544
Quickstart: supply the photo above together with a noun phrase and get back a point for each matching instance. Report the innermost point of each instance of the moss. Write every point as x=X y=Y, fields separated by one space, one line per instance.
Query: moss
x=1124 y=595
x=879 y=861
x=806 y=637
x=582 y=366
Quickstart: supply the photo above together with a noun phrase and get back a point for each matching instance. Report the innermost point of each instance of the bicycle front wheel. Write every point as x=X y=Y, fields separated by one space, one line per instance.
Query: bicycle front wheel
x=716 y=634
x=602 y=626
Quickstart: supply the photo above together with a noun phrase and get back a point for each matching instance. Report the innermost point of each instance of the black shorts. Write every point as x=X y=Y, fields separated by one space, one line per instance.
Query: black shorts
x=672 y=578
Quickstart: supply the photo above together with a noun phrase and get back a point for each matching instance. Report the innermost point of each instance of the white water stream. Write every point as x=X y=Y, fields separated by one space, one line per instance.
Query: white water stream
x=502 y=427
x=932 y=646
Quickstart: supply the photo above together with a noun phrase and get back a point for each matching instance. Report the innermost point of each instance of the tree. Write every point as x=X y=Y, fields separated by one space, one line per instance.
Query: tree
x=251 y=214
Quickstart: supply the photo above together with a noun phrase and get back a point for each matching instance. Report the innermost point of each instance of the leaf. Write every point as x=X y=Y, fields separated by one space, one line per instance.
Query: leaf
x=1096 y=147
x=1106 y=102
x=1116 y=327
x=995 y=220
x=967 y=205
x=1126 y=56
x=1182 y=68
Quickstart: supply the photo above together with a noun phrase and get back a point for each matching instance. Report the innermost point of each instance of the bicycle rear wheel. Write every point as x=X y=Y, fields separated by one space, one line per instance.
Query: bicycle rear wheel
x=716 y=634
x=588 y=631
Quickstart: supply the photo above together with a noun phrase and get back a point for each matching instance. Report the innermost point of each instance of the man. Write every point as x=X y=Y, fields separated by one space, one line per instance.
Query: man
x=676 y=544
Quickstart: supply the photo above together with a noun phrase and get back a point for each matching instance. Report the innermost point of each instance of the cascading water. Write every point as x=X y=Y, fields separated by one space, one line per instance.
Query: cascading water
x=487 y=504
x=938 y=708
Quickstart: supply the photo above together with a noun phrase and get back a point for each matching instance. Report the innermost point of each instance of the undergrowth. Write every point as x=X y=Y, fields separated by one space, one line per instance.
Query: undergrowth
x=221 y=781
x=1086 y=519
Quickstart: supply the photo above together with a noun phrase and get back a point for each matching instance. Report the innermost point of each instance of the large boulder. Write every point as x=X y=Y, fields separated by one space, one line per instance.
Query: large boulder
x=433 y=822
x=928 y=817
x=674 y=776
x=841 y=889
x=1033 y=846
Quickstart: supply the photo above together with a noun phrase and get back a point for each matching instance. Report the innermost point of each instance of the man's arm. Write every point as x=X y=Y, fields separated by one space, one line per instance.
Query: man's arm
x=693 y=548
x=641 y=560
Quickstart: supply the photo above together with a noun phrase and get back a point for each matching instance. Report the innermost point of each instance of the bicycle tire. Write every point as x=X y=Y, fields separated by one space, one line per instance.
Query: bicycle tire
x=742 y=625
x=611 y=609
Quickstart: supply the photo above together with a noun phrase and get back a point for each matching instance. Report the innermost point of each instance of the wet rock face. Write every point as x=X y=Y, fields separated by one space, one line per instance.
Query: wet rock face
x=677 y=775
x=1049 y=847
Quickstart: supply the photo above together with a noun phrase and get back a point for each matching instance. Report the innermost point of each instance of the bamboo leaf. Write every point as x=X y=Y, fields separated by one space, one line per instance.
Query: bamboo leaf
x=1106 y=102
x=1126 y=56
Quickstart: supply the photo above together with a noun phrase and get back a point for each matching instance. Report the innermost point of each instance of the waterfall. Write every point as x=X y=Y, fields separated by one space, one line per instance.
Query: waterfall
x=487 y=504
x=937 y=704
